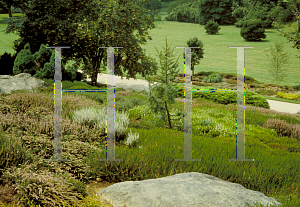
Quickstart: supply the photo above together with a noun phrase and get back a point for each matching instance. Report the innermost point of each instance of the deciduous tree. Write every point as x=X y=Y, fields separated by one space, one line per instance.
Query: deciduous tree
x=85 y=26
x=277 y=59
x=293 y=35
x=216 y=10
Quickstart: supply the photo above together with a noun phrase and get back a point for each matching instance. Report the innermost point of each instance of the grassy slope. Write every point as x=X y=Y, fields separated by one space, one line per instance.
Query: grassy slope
x=217 y=56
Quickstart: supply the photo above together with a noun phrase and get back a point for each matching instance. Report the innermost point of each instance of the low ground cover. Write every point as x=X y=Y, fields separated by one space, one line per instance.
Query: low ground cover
x=84 y=144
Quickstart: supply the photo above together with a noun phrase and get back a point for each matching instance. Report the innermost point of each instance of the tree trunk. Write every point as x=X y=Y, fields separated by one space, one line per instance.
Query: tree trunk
x=169 y=120
x=193 y=73
x=9 y=12
x=94 y=79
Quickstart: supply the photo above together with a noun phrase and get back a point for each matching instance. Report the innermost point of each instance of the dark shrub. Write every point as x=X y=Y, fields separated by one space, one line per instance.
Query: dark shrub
x=25 y=62
x=79 y=76
x=7 y=64
x=212 y=27
x=252 y=30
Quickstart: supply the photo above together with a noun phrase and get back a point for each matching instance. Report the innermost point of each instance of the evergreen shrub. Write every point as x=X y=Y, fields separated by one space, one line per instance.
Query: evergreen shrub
x=25 y=62
x=227 y=97
x=252 y=30
x=212 y=27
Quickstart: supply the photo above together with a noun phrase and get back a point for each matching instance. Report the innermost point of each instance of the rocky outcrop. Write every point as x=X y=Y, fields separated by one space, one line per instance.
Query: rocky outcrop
x=183 y=190
x=22 y=81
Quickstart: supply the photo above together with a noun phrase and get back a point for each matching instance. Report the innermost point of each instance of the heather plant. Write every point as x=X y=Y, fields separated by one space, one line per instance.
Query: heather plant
x=42 y=188
x=97 y=117
x=132 y=139
x=207 y=122
x=282 y=127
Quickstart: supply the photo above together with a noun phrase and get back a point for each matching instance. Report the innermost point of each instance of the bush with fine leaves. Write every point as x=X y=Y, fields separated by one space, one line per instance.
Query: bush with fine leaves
x=184 y=13
x=213 y=78
x=252 y=30
x=212 y=27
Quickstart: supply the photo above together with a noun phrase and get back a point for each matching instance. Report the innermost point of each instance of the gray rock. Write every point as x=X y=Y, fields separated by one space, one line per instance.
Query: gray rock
x=183 y=190
x=22 y=81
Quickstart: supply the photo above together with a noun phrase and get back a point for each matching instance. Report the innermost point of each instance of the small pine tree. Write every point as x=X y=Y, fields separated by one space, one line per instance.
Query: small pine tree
x=163 y=94
x=25 y=62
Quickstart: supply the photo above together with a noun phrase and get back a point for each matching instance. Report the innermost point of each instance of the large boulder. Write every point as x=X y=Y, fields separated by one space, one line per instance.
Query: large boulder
x=183 y=190
x=22 y=81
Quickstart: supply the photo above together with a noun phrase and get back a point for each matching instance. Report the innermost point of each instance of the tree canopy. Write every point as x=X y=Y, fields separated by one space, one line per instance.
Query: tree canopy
x=85 y=26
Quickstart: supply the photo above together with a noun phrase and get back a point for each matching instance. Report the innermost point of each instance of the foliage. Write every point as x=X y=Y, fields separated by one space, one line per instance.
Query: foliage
x=178 y=3
x=254 y=10
x=95 y=117
x=212 y=27
x=238 y=11
x=153 y=6
x=293 y=34
x=213 y=78
x=261 y=12
x=280 y=126
x=68 y=21
x=196 y=53
x=252 y=30
x=43 y=55
x=124 y=103
x=280 y=14
x=216 y=10
x=48 y=71
x=162 y=94
x=297 y=87
x=41 y=188
x=12 y=152
x=7 y=6
x=230 y=97
x=7 y=63
x=78 y=186
x=287 y=96
x=277 y=59
x=24 y=62
x=187 y=12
